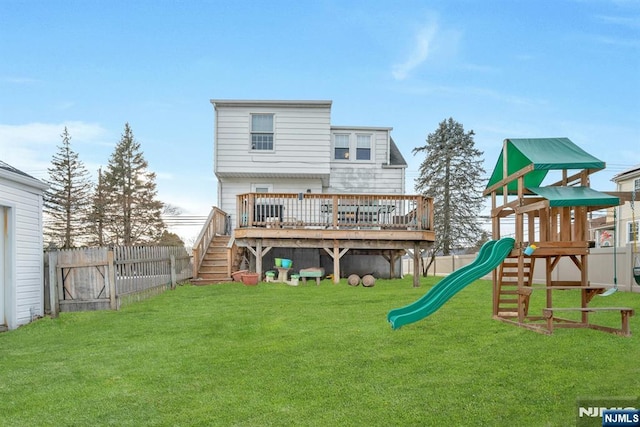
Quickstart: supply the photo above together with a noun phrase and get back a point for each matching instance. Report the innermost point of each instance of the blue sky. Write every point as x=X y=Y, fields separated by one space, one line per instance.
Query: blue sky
x=504 y=68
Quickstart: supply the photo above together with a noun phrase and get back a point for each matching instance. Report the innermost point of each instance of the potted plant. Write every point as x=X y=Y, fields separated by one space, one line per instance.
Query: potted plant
x=237 y=275
x=250 y=279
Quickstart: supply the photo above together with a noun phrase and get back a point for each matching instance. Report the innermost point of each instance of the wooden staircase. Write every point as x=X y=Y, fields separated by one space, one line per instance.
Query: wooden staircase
x=508 y=293
x=214 y=267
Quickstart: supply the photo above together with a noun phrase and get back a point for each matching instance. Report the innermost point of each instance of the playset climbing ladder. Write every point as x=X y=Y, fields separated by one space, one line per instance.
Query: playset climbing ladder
x=509 y=295
x=553 y=220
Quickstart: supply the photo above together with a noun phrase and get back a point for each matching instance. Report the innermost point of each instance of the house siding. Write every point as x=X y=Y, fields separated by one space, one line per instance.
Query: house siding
x=366 y=177
x=366 y=180
x=301 y=140
x=25 y=241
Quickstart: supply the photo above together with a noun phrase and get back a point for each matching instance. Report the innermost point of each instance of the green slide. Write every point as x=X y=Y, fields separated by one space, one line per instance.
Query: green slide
x=490 y=256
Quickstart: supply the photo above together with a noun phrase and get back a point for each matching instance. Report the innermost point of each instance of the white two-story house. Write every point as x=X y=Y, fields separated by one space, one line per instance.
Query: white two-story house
x=291 y=184
x=291 y=147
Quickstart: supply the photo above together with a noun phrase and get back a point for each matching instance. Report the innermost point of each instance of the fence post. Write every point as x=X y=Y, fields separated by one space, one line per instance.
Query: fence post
x=53 y=284
x=173 y=271
x=111 y=274
x=435 y=261
x=196 y=260
x=59 y=281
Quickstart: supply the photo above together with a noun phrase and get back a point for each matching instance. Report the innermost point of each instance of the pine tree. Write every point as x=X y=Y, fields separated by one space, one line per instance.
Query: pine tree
x=67 y=200
x=451 y=173
x=132 y=212
x=98 y=213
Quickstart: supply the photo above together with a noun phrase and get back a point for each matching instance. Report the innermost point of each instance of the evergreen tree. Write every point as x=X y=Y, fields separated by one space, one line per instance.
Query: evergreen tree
x=98 y=213
x=67 y=200
x=132 y=212
x=451 y=173
x=170 y=239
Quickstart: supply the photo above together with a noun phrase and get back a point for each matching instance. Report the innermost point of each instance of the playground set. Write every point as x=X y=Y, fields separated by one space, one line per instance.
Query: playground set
x=551 y=223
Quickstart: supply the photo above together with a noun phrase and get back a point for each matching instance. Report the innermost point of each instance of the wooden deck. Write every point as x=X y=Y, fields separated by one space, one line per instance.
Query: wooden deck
x=337 y=223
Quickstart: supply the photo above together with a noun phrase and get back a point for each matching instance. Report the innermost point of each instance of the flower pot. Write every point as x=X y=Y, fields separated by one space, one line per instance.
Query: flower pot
x=278 y=262
x=250 y=279
x=286 y=263
x=237 y=275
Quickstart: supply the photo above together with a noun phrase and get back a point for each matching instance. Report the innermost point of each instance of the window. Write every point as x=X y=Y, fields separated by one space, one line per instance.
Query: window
x=632 y=234
x=261 y=188
x=262 y=131
x=636 y=184
x=363 y=147
x=341 y=144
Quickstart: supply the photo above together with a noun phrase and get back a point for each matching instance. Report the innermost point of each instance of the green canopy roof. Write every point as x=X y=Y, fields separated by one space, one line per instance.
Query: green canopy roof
x=544 y=154
x=575 y=196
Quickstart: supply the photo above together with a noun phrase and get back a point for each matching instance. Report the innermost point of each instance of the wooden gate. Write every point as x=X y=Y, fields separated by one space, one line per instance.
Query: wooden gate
x=104 y=278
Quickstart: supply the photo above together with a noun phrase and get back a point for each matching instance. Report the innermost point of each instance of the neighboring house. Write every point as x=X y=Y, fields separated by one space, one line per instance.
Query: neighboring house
x=291 y=147
x=601 y=230
x=628 y=181
x=21 y=262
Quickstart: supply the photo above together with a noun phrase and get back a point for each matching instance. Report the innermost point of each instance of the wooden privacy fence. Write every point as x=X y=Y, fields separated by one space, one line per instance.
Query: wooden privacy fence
x=104 y=278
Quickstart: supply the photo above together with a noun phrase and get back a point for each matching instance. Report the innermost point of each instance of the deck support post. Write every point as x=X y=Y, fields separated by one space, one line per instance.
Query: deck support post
x=392 y=265
x=336 y=254
x=336 y=263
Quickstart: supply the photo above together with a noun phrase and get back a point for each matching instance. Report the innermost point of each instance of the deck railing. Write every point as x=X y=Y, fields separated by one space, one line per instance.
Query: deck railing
x=334 y=211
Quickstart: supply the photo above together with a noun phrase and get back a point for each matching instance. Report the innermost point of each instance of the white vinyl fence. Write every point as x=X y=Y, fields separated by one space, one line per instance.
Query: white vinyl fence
x=600 y=267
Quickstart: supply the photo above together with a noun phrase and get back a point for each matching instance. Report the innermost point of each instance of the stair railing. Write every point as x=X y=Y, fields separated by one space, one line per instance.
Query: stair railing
x=218 y=224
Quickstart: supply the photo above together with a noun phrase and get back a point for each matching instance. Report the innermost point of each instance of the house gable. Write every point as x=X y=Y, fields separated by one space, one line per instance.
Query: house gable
x=300 y=139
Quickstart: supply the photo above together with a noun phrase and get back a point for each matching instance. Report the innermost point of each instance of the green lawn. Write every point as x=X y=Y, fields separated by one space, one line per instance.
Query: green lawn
x=233 y=355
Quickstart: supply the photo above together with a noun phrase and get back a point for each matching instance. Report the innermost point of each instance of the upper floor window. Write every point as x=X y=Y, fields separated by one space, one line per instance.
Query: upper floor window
x=636 y=184
x=341 y=144
x=363 y=147
x=262 y=131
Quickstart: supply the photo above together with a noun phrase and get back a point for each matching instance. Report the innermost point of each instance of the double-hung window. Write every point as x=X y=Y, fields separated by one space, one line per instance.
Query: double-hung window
x=363 y=147
x=262 y=131
x=341 y=146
